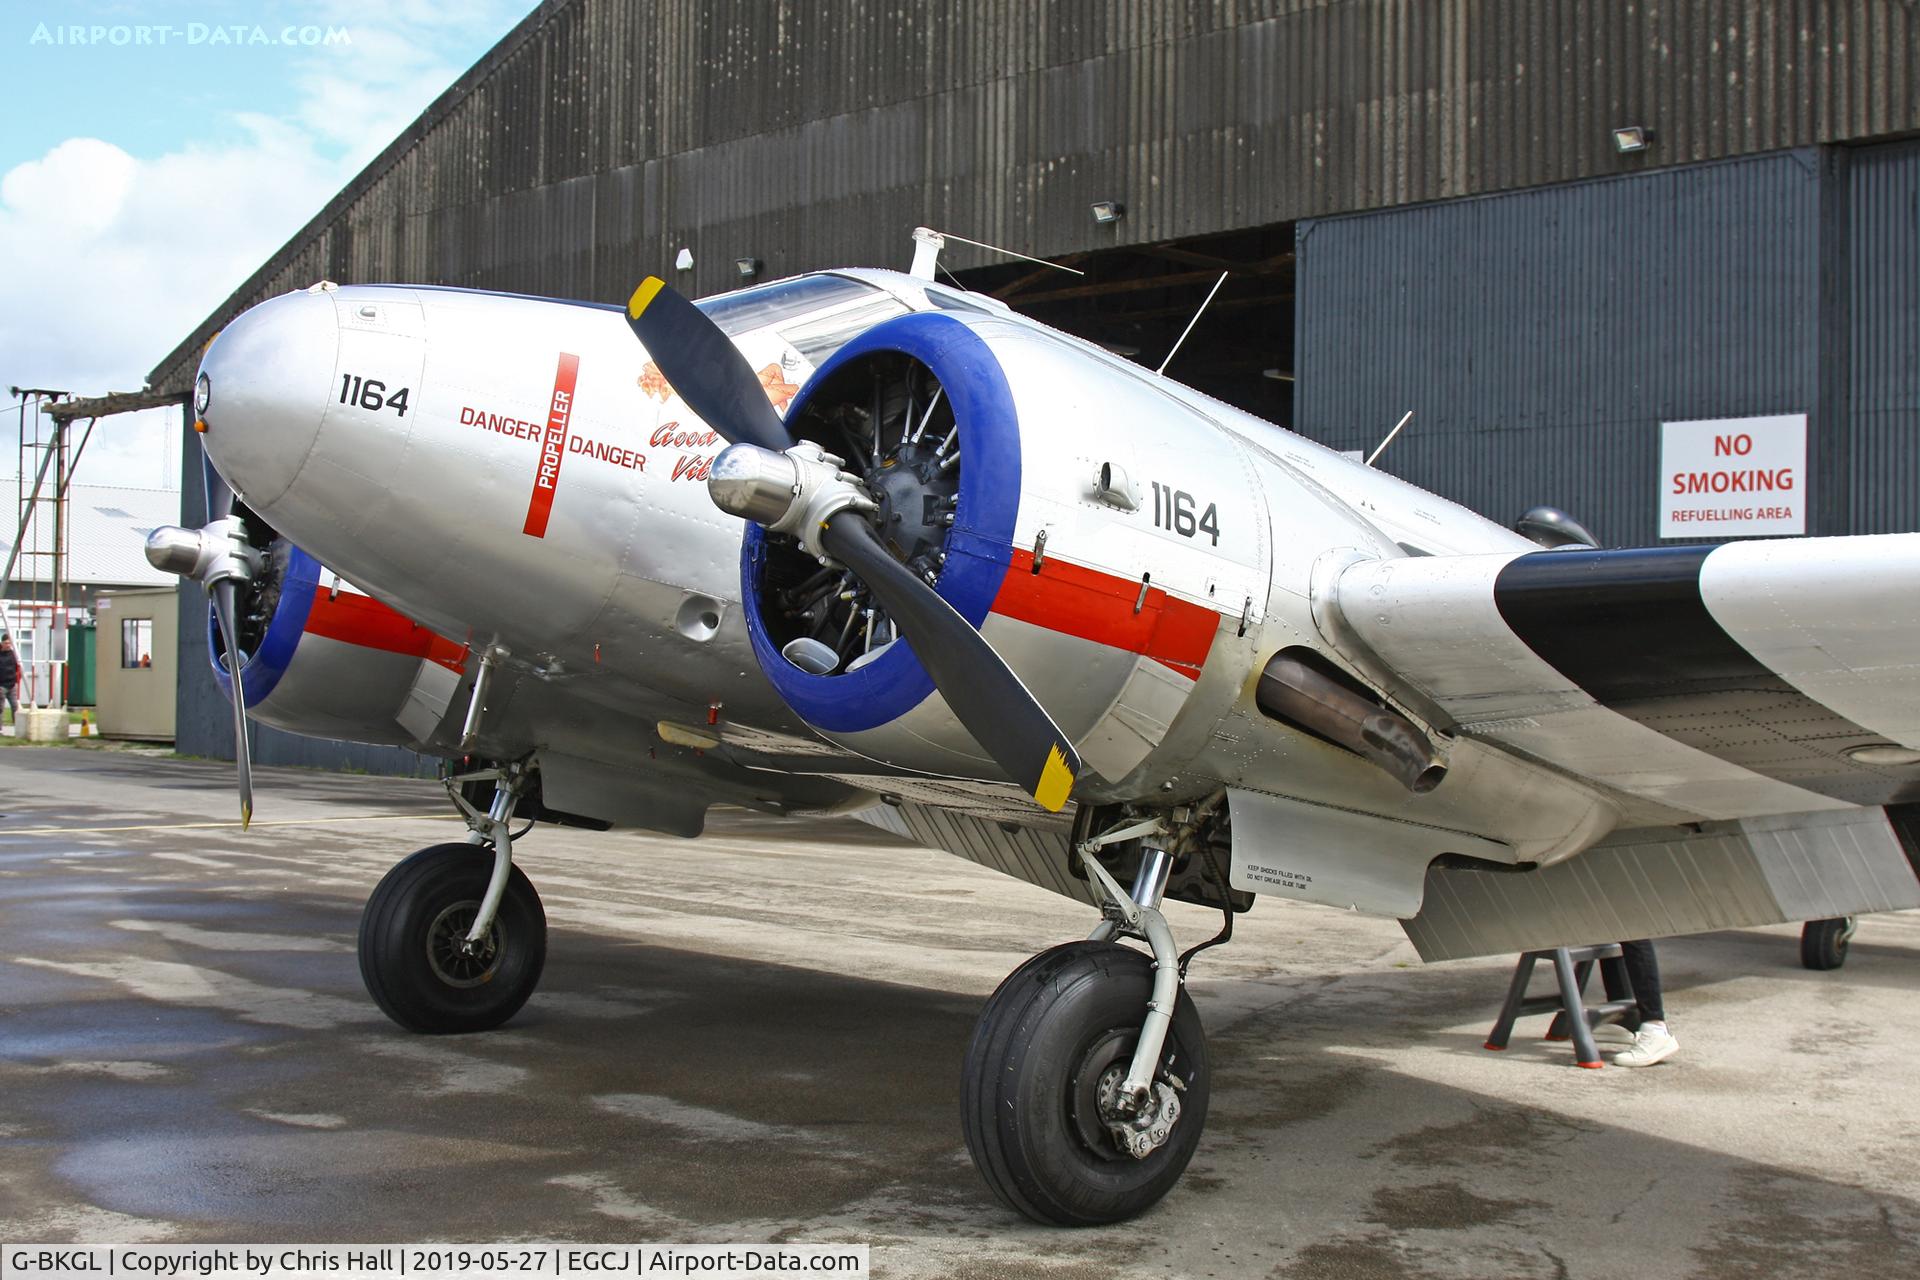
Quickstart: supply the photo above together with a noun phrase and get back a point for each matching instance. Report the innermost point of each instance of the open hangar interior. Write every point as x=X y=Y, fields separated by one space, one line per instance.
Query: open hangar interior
x=1421 y=206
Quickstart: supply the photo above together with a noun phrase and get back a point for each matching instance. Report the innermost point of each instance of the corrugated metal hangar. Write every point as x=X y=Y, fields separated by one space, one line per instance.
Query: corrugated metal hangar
x=1547 y=229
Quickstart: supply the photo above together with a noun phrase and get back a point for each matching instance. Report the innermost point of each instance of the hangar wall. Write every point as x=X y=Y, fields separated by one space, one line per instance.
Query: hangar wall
x=1883 y=342
x=1542 y=336
x=601 y=136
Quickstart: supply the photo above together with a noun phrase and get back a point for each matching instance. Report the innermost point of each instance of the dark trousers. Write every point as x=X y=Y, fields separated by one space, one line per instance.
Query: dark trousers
x=1643 y=971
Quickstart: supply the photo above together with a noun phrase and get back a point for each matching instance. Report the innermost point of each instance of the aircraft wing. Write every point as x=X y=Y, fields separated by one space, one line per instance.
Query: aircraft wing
x=1714 y=682
x=1752 y=708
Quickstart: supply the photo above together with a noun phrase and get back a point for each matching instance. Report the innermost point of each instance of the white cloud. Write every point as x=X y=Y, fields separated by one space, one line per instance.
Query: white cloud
x=400 y=62
x=110 y=259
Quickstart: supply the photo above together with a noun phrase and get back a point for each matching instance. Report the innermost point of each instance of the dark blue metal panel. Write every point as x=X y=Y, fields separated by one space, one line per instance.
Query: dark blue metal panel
x=1541 y=337
x=1883 y=374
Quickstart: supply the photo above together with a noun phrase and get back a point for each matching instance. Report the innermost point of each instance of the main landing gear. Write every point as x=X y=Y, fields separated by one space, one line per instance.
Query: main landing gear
x=451 y=940
x=1085 y=1087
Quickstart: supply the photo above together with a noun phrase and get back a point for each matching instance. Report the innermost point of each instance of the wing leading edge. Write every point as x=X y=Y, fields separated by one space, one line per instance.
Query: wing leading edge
x=1715 y=682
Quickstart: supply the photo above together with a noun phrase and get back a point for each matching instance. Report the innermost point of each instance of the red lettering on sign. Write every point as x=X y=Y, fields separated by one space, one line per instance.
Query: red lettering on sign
x=1733 y=481
x=552 y=447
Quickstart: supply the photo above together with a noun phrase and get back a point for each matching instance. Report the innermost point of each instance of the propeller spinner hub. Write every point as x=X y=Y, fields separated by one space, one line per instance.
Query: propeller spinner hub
x=219 y=552
x=172 y=549
x=794 y=493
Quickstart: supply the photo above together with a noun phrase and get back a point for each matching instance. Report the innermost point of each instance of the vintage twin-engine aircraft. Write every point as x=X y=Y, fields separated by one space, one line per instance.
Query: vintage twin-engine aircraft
x=996 y=589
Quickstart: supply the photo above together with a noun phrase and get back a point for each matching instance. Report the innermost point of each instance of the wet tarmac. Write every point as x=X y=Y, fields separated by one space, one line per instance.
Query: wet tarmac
x=757 y=1036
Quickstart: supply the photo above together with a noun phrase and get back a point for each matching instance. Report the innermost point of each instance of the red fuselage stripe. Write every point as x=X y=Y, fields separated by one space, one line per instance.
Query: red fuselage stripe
x=359 y=620
x=1068 y=598
x=553 y=446
x=1096 y=606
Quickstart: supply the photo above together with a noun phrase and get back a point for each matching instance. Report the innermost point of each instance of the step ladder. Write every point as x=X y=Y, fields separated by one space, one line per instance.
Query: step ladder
x=1573 y=1017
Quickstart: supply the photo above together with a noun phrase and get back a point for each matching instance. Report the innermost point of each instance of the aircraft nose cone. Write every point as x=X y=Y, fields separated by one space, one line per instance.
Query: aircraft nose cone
x=263 y=389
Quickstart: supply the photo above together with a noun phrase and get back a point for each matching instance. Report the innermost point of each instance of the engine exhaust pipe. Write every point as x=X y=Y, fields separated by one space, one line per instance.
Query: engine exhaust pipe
x=1297 y=689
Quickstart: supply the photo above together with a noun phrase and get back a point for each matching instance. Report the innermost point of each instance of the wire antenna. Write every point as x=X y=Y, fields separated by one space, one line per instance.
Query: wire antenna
x=1382 y=448
x=981 y=244
x=1196 y=320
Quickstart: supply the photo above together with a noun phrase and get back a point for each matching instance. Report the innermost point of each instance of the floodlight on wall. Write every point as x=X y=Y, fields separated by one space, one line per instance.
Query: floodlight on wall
x=747 y=267
x=1106 y=211
x=1632 y=137
x=683 y=261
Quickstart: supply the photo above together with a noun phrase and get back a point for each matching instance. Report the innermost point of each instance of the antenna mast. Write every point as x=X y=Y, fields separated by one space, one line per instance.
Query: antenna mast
x=1404 y=420
x=1196 y=320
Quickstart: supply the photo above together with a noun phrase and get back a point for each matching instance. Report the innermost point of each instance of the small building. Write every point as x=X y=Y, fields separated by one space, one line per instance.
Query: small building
x=103 y=551
x=137 y=644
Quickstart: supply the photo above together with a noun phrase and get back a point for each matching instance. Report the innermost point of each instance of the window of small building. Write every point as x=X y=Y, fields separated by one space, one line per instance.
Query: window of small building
x=136 y=642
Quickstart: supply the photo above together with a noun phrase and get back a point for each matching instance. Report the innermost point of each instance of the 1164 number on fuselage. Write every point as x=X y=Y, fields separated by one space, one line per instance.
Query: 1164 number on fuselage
x=1174 y=509
x=371 y=393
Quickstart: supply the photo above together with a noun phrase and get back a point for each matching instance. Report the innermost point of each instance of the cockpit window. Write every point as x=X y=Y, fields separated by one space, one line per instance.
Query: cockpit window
x=748 y=309
x=819 y=336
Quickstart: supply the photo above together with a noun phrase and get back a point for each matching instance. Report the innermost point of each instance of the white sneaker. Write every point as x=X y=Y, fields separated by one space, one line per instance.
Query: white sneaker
x=1651 y=1045
x=1611 y=1035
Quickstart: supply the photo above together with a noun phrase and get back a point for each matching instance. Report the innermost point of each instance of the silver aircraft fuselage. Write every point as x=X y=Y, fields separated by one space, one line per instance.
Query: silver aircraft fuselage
x=514 y=474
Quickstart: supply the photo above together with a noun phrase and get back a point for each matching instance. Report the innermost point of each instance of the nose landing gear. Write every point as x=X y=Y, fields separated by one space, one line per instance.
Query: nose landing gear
x=1084 y=1091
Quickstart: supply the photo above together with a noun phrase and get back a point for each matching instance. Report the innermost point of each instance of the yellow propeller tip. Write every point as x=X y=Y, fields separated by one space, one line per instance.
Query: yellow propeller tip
x=1056 y=781
x=643 y=295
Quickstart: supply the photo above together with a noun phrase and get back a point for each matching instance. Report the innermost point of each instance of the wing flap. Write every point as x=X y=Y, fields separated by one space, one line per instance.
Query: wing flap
x=1642 y=884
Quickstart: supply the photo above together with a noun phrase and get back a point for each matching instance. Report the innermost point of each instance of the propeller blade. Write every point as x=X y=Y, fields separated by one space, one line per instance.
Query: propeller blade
x=989 y=699
x=704 y=366
x=225 y=609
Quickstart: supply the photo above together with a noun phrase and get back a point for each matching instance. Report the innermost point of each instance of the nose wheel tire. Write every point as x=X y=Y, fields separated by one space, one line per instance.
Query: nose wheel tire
x=414 y=956
x=1037 y=1093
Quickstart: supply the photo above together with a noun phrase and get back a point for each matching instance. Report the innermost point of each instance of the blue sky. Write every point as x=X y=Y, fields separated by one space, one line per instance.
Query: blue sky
x=148 y=99
x=153 y=153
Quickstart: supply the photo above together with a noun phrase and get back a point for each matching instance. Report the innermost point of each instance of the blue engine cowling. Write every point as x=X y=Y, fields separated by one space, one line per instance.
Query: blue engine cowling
x=978 y=548
x=324 y=661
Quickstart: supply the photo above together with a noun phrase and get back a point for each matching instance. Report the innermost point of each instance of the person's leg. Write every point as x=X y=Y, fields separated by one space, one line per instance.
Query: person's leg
x=1643 y=971
x=1652 y=1043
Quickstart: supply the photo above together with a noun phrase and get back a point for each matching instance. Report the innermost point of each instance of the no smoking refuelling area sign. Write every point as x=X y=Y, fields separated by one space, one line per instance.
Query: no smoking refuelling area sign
x=1722 y=477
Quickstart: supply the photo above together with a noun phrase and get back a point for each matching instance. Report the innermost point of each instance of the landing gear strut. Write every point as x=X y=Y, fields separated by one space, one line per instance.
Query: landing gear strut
x=451 y=941
x=1085 y=1088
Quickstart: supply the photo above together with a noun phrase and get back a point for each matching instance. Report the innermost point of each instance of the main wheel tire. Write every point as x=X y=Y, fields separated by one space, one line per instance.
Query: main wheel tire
x=410 y=936
x=1027 y=1092
x=1823 y=943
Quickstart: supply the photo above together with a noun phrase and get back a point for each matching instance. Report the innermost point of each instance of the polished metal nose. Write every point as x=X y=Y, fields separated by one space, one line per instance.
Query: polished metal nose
x=263 y=389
